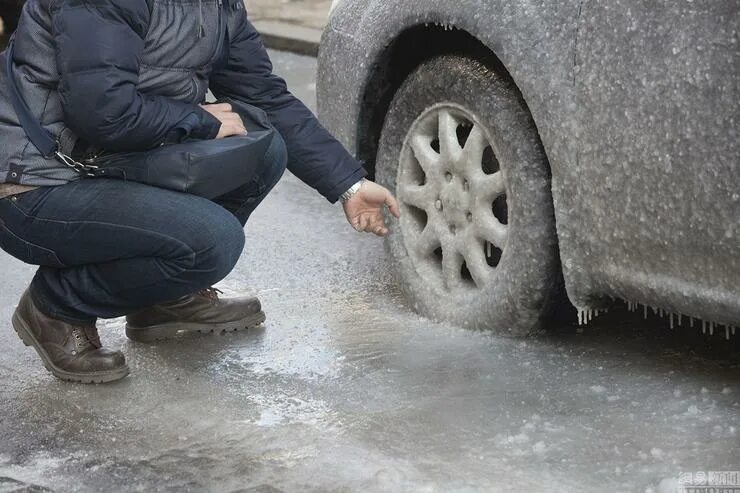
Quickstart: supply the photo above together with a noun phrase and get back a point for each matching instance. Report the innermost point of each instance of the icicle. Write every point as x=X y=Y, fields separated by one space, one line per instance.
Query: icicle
x=691 y=321
x=703 y=327
x=711 y=328
x=670 y=317
x=732 y=329
x=679 y=319
x=644 y=311
x=727 y=333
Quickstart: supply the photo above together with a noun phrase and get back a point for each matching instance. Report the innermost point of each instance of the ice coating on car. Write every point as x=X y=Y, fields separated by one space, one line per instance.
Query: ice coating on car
x=641 y=140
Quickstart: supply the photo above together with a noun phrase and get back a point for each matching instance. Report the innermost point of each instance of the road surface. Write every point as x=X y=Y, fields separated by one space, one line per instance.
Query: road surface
x=345 y=389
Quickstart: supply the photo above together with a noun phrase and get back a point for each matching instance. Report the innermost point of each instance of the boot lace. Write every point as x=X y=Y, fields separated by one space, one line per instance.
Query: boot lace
x=210 y=293
x=86 y=338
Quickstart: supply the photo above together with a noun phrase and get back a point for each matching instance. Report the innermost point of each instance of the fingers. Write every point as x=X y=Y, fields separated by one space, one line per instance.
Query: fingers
x=217 y=108
x=233 y=119
x=392 y=204
x=229 y=129
x=364 y=223
x=377 y=226
x=381 y=231
x=231 y=123
x=370 y=224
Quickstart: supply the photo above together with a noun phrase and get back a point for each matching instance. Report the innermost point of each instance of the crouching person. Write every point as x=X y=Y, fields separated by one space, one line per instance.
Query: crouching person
x=130 y=75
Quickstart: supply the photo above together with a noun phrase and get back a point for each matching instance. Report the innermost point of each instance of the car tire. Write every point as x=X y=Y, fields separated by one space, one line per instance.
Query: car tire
x=459 y=253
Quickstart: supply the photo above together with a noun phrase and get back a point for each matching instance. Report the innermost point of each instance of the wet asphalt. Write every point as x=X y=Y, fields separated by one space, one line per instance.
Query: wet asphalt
x=345 y=389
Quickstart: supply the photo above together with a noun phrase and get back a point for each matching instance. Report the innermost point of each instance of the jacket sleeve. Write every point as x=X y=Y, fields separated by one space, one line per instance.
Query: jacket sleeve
x=314 y=156
x=98 y=45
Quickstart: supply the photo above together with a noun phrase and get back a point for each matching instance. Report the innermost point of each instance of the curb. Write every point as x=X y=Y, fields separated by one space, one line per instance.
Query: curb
x=289 y=37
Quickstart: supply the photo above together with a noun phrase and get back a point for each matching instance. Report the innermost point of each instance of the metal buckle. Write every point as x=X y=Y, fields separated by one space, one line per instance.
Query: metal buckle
x=78 y=167
x=83 y=169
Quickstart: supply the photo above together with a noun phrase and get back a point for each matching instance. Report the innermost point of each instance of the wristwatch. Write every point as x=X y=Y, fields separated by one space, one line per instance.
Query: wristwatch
x=353 y=190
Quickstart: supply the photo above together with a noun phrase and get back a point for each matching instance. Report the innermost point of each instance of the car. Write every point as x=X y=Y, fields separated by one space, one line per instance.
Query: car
x=540 y=149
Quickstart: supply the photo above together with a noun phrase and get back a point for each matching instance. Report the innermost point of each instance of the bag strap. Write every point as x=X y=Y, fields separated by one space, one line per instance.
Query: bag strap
x=45 y=142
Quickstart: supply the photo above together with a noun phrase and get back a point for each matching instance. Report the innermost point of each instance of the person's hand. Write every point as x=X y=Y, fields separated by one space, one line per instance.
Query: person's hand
x=364 y=211
x=231 y=123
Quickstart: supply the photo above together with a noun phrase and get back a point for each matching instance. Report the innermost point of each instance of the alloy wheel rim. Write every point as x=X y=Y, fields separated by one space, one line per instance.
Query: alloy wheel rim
x=452 y=192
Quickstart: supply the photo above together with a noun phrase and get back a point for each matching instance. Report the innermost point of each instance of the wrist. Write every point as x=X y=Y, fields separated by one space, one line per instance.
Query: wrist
x=351 y=191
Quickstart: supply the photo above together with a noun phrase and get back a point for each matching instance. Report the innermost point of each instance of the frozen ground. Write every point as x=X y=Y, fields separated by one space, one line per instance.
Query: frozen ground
x=346 y=390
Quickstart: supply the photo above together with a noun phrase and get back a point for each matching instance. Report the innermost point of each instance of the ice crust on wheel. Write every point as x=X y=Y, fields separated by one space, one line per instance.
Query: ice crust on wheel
x=448 y=189
x=476 y=241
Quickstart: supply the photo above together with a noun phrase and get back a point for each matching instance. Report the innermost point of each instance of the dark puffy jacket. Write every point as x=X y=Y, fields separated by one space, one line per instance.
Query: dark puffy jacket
x=129 y=75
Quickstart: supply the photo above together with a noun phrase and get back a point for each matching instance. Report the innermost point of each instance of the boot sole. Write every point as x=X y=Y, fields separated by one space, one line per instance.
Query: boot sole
x=171 y=330
x=21 y=328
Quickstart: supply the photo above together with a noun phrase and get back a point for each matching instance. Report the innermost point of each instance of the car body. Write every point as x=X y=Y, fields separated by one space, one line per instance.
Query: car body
x=636 y=107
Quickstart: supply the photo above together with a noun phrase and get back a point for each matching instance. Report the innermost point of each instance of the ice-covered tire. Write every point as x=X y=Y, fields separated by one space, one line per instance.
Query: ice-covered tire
x=476 y=243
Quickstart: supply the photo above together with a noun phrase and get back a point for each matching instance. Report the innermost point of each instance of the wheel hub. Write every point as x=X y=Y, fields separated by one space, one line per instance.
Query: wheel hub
x=448 y=183
x=455 y=201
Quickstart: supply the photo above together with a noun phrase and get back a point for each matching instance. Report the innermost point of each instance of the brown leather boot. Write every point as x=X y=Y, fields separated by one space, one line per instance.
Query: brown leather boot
x=68 y=351
x=203 y=312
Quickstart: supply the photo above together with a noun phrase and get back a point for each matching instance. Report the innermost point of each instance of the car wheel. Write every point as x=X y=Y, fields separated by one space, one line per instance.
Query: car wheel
x=476 y=242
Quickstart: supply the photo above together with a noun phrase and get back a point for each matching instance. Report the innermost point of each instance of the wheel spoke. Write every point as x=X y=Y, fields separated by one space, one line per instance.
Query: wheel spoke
x=473 y=151
x=457 y=189
x=489 y=187
x=451 y=267
x=448 y=144
x=488 y=228
x=419 y=196
x=427 y=241
x=475 y=260
x=426 y=156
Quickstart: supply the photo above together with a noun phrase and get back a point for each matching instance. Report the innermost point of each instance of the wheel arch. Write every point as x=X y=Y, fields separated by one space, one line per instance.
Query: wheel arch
x=413 y=46
x=369 y=49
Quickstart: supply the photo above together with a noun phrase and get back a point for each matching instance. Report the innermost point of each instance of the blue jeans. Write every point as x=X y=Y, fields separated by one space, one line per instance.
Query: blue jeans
x=107 y=248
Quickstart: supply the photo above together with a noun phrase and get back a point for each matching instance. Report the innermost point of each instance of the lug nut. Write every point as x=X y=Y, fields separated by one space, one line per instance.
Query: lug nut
x=466 y=185
x=438 y=205
x=448 y=177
